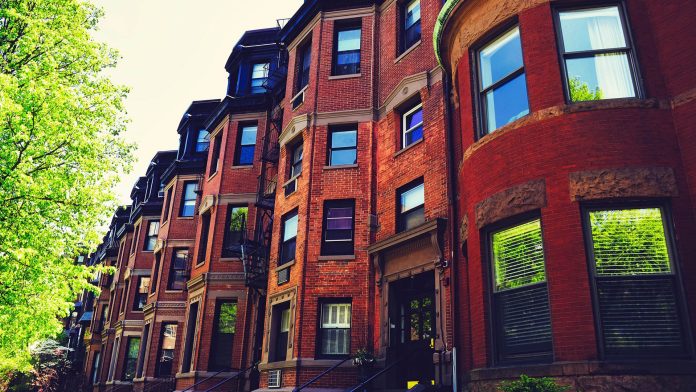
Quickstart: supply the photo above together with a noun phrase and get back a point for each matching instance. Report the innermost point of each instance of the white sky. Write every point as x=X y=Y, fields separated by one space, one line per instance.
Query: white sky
x=174 y=52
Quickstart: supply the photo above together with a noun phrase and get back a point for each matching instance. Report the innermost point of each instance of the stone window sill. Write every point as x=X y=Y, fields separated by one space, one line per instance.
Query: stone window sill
x=412 y=145
x=407 y=51
x=349 y=76
x=336 y=167
x=337 y=258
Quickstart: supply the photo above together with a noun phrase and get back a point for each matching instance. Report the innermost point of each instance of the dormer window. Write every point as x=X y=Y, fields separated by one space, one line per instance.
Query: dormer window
x=202 y=141
x=259 y=74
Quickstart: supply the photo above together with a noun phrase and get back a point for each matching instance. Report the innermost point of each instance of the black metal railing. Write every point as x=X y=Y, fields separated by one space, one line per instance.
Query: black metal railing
x=234 y=377
x=190 y=388
x=163 y=385
x=361 y=386
x=320 y=375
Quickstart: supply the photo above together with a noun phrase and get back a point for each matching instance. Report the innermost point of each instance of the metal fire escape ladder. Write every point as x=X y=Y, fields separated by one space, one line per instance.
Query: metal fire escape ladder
x=256 y=242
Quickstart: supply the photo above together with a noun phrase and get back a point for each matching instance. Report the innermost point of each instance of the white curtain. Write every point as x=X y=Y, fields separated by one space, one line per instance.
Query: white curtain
x=612 y=70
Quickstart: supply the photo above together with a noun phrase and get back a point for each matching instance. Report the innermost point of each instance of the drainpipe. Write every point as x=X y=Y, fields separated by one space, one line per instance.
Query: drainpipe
x=453 y=213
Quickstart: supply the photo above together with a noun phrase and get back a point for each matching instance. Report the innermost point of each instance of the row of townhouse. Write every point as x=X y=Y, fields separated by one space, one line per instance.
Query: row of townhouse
x=454 y=193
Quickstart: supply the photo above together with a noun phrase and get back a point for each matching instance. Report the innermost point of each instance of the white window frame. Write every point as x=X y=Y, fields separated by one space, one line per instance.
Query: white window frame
x=404 y=130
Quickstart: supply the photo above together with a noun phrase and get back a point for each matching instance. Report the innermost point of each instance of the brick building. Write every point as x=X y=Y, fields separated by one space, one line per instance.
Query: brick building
x=458 y=192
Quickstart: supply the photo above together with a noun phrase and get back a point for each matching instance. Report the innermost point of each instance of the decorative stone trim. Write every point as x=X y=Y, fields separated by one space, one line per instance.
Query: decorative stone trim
x=623 y=182
x=512 y=201
x=464 y=229
x=141 y=272
x=345 y=117
x=236 y=198
x=408 y=87
x=293 y=129
x=290 y=295
x=207 y=203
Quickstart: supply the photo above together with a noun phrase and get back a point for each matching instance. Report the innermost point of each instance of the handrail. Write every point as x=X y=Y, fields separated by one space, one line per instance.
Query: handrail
x=158 y=384
x=205 y=379
x=379 y=373
x=322 y=374
x=231 y=378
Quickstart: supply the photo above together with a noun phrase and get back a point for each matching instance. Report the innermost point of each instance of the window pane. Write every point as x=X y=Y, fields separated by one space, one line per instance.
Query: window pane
x=343 y=157
x=629 y=242
x=412 y=198
x=413 y=218
x=518 y=256
x=169 y=336
x=344 y=139
x=203 y=141
x=413 y=136
x=601 y=76
x=592 y=29
x=249 y=135
x=238 y=216
x=501 y=57
x=153 y=229
x=506 y=103
x=190 y=191
x=412 y=13
x=290 y=230
x=260 y=71
x=349 y=40
x=414 y=119
x=246 y=155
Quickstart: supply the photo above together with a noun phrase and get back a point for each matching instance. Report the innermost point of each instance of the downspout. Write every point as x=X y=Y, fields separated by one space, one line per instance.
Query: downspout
x=372 y=180
x=442 y=18
x=311 y=124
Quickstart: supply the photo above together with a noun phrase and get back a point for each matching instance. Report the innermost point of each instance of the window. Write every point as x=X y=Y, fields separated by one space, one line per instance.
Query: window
x=215 y=158
x=520 y=305
x=280 y=327
x=259 y=74
x=178 y=273
x=114 y=356
x=165 y=358
x=295 y=168
x=141 y=295
x=95 y=367
x=191 y=326
x=335 y=329
x=202 y=141
x=132 y=347
x=246 y=145
x=160 y=191
x=411 y=28
x=103 y=318
x=289 y=228
x=347 y=48
x=203 y=243
x=635 y=283
x=167 y=203
x=502 y=85
x=339 y=217
x=304 y=55
x=134 y=240
x=597 y=54
x=411 y=211
x=155 y=272
x=188 y=202
x=224 y=328
x=143 y=349
x=343 y=142
x=234 y=232
x=152 y=231
x=412 y=126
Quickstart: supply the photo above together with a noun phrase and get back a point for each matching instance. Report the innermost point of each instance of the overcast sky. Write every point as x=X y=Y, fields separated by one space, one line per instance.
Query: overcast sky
x=174 y=52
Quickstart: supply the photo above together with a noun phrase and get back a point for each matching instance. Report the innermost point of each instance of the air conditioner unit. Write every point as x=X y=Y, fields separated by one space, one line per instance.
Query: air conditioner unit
x=274 y=378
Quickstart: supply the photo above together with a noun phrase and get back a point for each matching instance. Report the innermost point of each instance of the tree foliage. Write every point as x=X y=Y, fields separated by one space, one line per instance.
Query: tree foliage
x=581 y=91
x=60 y=155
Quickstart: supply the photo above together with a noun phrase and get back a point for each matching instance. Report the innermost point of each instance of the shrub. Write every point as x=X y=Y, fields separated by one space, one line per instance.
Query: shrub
x=531 y=384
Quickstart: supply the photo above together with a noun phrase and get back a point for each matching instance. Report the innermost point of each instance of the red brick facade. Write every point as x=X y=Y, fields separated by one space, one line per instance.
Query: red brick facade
x=419 y=278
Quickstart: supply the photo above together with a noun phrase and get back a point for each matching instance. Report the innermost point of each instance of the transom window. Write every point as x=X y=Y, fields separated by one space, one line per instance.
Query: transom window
x=247 y=144
x=335 y=329
x=343 y=145
x=411 y=16
x=347 y=49
x=636 y=287
x=502 y=83
x=188 y=201
x=522 y=320
x=412 y=126
x=339 y=217
x=287 y=248
x=259 y=74
x=597 y=54
x=411 y=201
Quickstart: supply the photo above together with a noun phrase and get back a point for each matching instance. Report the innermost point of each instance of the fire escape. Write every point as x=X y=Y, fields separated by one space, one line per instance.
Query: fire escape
x=256 y=241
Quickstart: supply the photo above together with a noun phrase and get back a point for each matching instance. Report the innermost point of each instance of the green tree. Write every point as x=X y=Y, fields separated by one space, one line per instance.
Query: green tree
x=60 y=155
x=580 y=91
